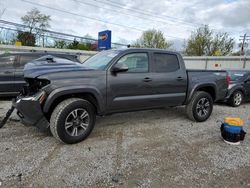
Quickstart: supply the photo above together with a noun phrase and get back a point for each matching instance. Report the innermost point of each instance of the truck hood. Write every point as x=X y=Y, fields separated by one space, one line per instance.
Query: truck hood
x=38 y=68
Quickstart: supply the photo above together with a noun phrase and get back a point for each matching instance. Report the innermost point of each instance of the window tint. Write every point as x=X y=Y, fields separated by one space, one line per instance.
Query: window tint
x=136 y=62
x=27 y=58
x=235 y=76
x=166 y=62
x=7 y=61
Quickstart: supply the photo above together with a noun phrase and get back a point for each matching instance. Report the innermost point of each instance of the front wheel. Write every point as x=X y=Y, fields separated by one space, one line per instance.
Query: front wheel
x=72 y=120
x=200 y=107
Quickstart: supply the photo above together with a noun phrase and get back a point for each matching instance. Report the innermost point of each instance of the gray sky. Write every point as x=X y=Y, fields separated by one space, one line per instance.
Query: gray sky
x=128 y=18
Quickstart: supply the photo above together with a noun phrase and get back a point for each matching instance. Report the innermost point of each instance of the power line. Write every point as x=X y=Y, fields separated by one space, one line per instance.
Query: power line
x=174 y=19
x=54 y=33
x=11 y=29
x=150 y=19
x=44 y=30
x=75 y=14
x=86 y=17
x=144 y=12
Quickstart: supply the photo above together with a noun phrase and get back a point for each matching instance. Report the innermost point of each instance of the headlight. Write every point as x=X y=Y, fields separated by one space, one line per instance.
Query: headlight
x=40 y=96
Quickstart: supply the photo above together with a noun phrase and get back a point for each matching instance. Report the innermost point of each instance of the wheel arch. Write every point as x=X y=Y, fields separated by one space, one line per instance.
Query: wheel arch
x=241 y=89
x=209 y=88
x=58 y=95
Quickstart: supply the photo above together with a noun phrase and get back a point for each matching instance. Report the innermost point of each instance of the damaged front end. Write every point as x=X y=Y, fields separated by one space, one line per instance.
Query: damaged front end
x=33 y=86
x=30 y=102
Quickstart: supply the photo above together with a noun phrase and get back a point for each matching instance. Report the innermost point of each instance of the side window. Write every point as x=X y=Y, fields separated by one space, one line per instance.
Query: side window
x=7 y=61
x=166 y=62
x=27 y=58
x=136 y=62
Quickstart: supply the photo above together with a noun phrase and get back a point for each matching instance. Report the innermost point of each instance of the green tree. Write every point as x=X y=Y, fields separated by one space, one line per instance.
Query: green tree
x=60 y=44
x=73 y=45
x=26 y=38
x=152 y=39
x=79 y=45
x=204 y=41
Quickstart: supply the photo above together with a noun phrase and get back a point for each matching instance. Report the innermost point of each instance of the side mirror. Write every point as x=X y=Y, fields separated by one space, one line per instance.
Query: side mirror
x=119 y=67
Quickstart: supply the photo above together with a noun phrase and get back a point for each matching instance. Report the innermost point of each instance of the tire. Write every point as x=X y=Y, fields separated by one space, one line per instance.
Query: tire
x=72 y=120
x=236 y=99
x=200 y=107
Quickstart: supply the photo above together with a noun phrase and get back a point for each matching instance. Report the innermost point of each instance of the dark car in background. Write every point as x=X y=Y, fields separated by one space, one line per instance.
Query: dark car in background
x=12 y=65
x=238 y=88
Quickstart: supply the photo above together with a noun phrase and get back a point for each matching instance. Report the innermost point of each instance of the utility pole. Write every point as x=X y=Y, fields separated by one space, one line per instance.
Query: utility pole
x=244 y=43
x=2 y=9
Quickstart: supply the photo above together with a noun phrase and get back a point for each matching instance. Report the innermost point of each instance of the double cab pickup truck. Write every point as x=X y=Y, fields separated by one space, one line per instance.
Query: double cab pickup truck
x=66 y=100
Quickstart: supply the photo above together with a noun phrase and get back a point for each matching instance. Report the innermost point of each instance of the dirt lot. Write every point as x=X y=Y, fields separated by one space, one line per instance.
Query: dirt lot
x=156 y=148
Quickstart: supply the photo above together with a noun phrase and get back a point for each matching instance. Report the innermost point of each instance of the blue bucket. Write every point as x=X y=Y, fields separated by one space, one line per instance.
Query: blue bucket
x=232 y=129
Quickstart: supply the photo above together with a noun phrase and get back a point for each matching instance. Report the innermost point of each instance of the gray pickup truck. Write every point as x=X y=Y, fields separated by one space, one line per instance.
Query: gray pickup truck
x=66 y=100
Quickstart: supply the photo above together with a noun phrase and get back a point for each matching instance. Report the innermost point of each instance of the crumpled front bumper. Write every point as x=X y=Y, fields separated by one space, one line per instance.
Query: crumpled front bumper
x=30 y=112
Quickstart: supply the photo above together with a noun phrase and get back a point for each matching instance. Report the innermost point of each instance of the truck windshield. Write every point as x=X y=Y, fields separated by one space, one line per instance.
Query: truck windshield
x=100 y=60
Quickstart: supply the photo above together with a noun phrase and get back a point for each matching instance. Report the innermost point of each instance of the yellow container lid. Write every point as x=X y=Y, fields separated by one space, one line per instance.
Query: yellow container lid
x=233 y=121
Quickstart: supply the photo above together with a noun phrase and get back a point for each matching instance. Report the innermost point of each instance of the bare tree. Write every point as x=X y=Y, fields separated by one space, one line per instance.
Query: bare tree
x=36 y=22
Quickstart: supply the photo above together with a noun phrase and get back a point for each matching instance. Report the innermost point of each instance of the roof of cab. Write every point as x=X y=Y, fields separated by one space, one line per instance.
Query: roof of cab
x=149 y=50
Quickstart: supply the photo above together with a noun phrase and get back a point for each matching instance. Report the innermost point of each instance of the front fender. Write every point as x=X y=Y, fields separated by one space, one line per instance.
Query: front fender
x=75 y=90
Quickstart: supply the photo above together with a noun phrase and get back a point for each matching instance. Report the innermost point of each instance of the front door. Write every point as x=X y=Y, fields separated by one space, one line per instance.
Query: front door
x=132 y=89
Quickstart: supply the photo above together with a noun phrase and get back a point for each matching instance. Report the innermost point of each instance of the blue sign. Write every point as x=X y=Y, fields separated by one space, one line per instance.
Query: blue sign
x=104 y=40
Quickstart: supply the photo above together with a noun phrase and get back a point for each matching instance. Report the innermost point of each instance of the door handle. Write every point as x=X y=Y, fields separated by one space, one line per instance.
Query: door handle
x=7 y=72
x=179 y=78
x=147 y=79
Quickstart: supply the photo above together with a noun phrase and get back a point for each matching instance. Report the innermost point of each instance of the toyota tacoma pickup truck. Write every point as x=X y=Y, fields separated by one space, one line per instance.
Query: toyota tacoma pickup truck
x=66 y=100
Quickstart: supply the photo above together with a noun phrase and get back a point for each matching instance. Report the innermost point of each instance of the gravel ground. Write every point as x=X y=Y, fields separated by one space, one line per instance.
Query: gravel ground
x=155 y=148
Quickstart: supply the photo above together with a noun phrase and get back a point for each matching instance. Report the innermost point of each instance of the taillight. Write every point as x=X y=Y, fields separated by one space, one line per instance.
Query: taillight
x=228 y=79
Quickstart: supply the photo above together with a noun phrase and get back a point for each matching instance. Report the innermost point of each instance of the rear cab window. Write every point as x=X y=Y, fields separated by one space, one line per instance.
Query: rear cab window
x=165 y=62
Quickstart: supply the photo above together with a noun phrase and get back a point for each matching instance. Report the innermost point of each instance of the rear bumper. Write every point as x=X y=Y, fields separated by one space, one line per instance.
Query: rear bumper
x=30 y=112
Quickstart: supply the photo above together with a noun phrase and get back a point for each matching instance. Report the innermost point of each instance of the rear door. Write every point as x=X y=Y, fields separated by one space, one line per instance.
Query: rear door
x=132 y=89
x=7 y=74
x=169 y=79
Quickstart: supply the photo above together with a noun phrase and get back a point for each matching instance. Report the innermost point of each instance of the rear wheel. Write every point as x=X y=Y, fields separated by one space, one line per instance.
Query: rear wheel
x=200 y=107
x=72 y=120
x=236 y=99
